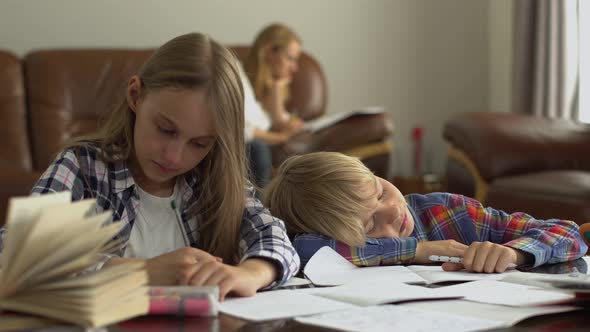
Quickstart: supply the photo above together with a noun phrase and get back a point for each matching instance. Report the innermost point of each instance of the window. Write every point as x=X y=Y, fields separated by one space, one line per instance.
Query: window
x=584 y=60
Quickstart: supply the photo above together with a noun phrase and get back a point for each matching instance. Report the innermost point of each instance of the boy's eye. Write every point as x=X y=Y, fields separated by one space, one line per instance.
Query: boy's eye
x=382 y=195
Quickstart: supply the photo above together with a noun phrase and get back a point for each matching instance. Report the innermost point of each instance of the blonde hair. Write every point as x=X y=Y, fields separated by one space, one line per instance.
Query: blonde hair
x=195 y=61
x=323 y=193
x=274 y=37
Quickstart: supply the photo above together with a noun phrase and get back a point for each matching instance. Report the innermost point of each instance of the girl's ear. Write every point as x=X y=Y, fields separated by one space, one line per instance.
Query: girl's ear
x=133 y=92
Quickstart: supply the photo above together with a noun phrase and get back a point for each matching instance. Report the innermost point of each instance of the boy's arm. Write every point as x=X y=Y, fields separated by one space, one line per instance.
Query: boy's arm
x=385 y=251
x=548 y=241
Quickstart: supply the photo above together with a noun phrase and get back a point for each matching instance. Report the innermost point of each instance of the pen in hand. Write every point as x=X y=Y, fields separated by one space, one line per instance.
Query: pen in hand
x=453 y=259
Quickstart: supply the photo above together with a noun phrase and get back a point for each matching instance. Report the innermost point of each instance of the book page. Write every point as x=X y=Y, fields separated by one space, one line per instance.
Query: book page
x=331 y=118
x=21 y=216
x=279 y=304
x=505 y=293
x=388 y=318
x=501 y=313
x=327 y=268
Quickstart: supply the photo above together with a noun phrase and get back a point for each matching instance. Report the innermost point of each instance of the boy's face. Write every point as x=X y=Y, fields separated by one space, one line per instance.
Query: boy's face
x=389 y=216
x=173 y=133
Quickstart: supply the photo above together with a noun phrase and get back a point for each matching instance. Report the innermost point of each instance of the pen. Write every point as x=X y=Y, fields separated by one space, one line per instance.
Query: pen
x=452 y=259
x=180 y=224
x=445 y=259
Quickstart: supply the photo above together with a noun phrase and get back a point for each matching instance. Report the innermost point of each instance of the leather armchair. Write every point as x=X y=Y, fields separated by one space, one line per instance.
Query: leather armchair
x=516 y=162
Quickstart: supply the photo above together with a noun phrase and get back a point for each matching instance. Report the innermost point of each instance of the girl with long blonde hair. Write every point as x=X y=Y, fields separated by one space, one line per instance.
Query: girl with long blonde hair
x=170 y=163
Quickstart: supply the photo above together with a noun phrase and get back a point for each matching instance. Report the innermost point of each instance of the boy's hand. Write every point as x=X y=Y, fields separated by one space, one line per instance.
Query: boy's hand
x=487 y=257
x=441 y=248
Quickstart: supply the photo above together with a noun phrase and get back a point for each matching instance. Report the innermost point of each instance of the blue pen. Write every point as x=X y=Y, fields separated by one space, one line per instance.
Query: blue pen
x=180 y=223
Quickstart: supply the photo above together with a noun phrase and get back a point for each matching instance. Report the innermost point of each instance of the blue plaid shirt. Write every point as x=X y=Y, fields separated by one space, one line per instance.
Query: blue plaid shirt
x=443 y=216
x=87 y=176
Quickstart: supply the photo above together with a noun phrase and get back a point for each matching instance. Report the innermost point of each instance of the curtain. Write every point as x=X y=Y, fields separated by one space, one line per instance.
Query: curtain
x=545 y=58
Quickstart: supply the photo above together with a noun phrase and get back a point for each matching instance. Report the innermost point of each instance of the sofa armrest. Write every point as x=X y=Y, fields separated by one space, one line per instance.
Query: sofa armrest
x=501 y=144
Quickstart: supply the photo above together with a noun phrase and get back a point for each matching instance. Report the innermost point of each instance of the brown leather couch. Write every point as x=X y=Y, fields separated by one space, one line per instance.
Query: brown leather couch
x=50 y=96
x=516 y=162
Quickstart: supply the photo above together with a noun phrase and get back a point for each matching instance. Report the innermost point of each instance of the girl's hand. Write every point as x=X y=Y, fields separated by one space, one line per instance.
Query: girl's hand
x=295 y=124
x=242 y=280
x=170 y=268
x=487 y=257
x=441 y=248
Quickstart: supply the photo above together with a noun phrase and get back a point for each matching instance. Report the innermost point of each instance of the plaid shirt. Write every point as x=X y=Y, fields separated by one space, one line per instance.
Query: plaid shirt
x=86 y=176
x=442 y=216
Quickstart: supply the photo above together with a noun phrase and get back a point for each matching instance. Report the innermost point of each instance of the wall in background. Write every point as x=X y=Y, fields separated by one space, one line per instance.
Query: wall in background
x=500 y=32
x=424 y=60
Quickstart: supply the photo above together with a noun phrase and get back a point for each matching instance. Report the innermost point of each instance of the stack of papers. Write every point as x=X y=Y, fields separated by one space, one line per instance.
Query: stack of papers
x=363 y=299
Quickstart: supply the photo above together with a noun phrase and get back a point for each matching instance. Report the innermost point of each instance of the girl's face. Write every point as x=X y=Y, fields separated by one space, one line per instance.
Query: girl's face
x=283 y=62
x=173 y=133
x=389 y=216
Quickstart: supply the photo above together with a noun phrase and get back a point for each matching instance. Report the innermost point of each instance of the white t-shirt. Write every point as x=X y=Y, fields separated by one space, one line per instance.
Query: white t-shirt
x=155 y=230
x=254 y=115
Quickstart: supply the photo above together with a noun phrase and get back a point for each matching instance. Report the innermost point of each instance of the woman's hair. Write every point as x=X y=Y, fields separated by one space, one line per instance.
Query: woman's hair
x=275 y=37
x=323 y=193
x=195 y=61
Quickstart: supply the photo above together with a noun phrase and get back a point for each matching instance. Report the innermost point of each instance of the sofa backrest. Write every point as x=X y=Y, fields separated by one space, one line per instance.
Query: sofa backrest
x=69 y=90
x=14 y=148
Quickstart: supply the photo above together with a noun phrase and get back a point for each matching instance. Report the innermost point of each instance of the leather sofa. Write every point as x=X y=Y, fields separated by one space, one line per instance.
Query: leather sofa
x=50 y=96
x=517 y=162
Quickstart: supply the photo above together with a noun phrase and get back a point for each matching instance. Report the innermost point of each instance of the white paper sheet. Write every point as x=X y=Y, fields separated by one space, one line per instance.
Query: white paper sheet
x=398 y=318
x=378 y=291
x=327 y=268
x=434 y=274
x=279 y=304
x=507 y=315
x=505 y=293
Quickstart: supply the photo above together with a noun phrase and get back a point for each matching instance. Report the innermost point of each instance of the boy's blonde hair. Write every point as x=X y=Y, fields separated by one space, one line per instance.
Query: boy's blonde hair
x=195 y=61
x=323 y=193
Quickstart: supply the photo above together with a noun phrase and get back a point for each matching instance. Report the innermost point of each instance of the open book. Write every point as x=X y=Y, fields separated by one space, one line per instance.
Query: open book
x=50 y=248
x=329 y=119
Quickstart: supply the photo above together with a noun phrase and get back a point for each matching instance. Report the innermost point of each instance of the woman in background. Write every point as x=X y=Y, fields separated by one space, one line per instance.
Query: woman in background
x=270 y=66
